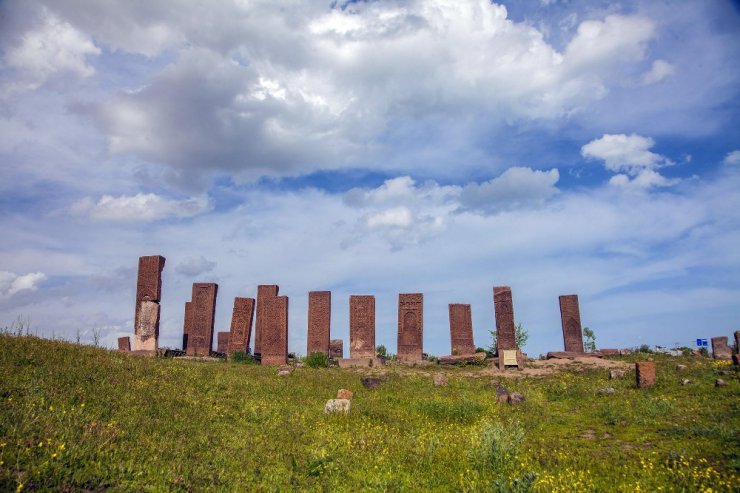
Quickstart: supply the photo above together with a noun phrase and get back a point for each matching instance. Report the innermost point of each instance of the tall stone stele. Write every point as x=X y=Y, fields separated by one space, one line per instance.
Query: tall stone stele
x=461 y=329
x=505 y=327
x=410 y=327
x=570 y=317
x=264 y=291
x=199 y=319
x=275 y=331
x=241 y=325
x=148 y=295
x=361 y=326
x=319 y=322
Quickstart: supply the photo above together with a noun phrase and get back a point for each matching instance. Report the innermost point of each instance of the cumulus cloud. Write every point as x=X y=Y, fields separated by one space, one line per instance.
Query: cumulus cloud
x=53 y=47
x=142 y=207
x=515 y=188
x=194 y=266
x=732 y=158
x=12 y=283
x=660 y=70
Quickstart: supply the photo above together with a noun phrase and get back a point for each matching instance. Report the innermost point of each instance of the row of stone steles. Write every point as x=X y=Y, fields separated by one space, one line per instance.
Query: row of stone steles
x=271 y=324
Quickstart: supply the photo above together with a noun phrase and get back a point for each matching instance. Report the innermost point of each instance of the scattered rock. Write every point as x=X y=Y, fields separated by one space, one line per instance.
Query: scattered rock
x=606 y=391
x=502 y=394
x=337 y=406
x=685 y=381
x=371 y=382
x=680 y=367
x=616 y=374
x=284 y=373
x=344 y=394
x=440 y=380
x=516 y=398
x=720 y=383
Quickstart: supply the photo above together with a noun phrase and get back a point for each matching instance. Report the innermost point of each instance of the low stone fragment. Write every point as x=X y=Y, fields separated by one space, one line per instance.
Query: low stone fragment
x=720 y=383
x=736 y=359
x=337 y=406
x=606 y=391
x=344 y=394
x=371 y=382
x=645 y=373
x=685 y=381
x=680 y=367
x=440 y=380
x=516 y=398
x=616 y=374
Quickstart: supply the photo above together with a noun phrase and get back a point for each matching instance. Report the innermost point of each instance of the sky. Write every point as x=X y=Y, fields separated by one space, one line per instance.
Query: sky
x=380 y=147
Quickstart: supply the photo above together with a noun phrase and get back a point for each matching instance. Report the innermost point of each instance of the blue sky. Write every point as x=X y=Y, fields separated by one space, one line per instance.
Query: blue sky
x=429 y=146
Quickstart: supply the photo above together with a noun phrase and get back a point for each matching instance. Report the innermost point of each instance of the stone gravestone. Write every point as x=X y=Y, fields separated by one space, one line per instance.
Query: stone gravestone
x=202 y=314
x=222 y=342
x=264 y=291
x=410 y=327
x=504 y=310
x=645 y=373
x=124 y=344
x=720 y=349
x=737 y=341
x=461 y=329
x=241 y=325
x=361 y=326
x=275 y=330
x=570 y=317
x=319 y=322
x=336 y=349
x=148 y=295
x=187 y=324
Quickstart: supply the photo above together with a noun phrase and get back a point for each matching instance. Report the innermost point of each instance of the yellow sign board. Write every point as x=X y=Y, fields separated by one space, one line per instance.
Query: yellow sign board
x=510 y=358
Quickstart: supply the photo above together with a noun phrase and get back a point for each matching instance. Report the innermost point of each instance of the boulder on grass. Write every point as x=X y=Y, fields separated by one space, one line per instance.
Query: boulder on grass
x=337 y=406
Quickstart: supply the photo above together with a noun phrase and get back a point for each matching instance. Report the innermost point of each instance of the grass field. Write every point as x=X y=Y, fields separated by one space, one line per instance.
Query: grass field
x=78 y=418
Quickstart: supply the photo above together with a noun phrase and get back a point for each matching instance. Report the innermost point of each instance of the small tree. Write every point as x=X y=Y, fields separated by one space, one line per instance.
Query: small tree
x=520 y=336
x=381 y=350
x=317 y=360
x=589 y=340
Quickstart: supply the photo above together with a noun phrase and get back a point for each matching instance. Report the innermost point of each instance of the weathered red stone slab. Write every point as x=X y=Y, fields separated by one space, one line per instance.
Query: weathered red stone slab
x=319 y=322
x=336 y=348
x=241 y=325
x=203 y=312
x=222 y=342
x=573 y=354
x=361 y=326
x=149 y=292
x=410 y=327
x=720 y=349
x=275 y=330
x=461 y=329
x=645 y=373
x=187 y=324
x=570 y=317
x=737 y=341
x=264 y=291
x=124 y=344
x=504 y=309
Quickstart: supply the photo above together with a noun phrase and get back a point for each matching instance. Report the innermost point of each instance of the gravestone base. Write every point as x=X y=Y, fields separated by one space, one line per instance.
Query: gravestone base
x=359 y=362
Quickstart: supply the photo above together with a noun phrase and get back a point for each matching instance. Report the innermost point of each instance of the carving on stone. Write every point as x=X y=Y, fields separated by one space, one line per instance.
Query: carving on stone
x=504 y=308
x=264 y=291
x=461 y=329
x=319 y=322
x=410 y=326
x=275 y=331
x=148 y=293
x=570 y=317
x=201 y=318
x=361 y=326
x=241 y=325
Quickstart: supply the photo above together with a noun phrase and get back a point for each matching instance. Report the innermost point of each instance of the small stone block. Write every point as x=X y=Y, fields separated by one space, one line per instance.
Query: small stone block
x=720 y=349
x=645 y=373
x=344 y=394
x=124 y=344
x=371 y=382
x=337 y=406
x=616 y=374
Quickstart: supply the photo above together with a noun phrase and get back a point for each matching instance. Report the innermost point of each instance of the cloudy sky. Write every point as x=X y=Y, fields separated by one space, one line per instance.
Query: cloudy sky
x=435 y=146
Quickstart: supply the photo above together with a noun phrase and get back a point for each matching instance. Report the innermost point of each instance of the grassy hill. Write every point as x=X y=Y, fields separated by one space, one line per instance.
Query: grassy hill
x=80 y=418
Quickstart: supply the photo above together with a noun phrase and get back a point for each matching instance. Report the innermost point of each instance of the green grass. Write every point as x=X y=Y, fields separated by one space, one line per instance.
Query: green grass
x=78 y=418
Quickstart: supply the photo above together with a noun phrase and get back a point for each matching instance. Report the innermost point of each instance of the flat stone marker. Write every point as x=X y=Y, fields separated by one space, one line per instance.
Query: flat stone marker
x=187 y=324
x=222 y=342
x=361 y=326
x=264 y=291
x=410 y=327
x=241 y=325
x=570 y=317
x=720 y=349
x=461 y=330
x=148 y=295
x=319 y=322
x=645 y=373
x=202 y=315
x=124 y=344
x=275 y=331
x=336 y=348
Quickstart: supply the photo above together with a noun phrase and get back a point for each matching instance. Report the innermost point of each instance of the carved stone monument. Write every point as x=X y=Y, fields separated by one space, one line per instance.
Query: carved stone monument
x=361 y=326
x=336 y=348
x=241 y=325
x=148 y=295
x=737 y=341
x=275 y=330
x=319 y=322
x=504 y=308
x=570 y=317
x=202 y=314
x=720 y=349
x=264 y=291
x=222 y=342
x=461 y=329
x=124 y=344
x=645 y=373
x=187 y=324
x=410 y=327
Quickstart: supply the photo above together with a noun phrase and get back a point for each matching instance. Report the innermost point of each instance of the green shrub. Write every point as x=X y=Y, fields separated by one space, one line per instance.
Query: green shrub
x=381 y=350
x=317 y=360
x=497 y=444
x=243 y=357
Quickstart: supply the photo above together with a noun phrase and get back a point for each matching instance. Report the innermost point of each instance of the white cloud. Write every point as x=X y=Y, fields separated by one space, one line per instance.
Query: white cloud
x=51 y=48
x=516 y=188
x=194 y=266
x=732 y=158
x=12 y=283
x=142 y=207
x=659 y=71
x=643 y=180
